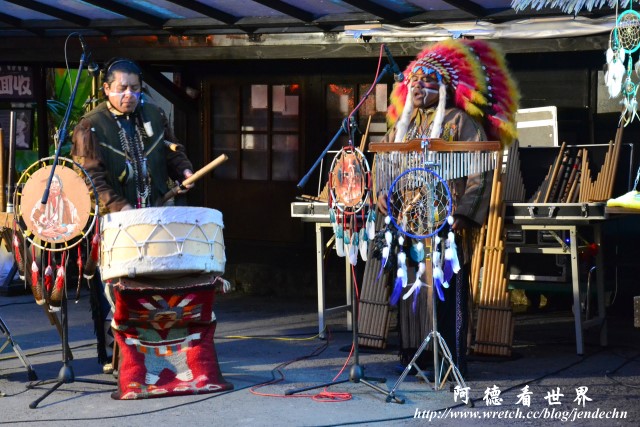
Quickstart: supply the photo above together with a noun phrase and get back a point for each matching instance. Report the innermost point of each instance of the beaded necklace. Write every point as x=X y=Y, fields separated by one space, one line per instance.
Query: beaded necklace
x=135 y=159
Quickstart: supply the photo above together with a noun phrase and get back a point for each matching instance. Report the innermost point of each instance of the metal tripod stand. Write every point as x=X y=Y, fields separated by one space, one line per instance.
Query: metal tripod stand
x=439 y=346
x=16 y=348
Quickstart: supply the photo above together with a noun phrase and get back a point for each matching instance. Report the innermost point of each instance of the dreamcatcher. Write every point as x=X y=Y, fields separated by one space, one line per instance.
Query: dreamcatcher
x=625 y=40
x=47 y=232
x=349 y=188
x=419 y=206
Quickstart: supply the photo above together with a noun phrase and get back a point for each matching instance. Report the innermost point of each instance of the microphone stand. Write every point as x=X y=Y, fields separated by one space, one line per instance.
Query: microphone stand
x=356 y=374
x=62 y=133
x=65 y=375
x=343 y=129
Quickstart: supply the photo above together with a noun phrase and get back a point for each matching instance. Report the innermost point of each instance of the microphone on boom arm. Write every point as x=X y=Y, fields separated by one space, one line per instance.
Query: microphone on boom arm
x=397 y=74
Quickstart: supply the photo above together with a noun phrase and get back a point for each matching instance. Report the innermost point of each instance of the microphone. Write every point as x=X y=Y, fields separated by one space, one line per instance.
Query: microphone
x=397 y=74
x=92 y=68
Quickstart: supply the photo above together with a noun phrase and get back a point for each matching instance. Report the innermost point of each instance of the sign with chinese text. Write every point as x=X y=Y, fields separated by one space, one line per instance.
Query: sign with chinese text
x=16 y=83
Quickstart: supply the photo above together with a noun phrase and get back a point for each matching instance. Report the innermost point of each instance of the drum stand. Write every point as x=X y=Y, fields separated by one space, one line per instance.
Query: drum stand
x=9 y=340
x=356 y=374
x=439 y=346
x=66 y=375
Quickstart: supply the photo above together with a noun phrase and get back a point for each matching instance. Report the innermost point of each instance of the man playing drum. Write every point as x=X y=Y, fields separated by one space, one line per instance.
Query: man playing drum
x=127 y=147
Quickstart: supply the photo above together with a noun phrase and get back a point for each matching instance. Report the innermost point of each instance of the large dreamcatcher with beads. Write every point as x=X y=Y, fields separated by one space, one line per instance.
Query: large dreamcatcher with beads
x=419 y=207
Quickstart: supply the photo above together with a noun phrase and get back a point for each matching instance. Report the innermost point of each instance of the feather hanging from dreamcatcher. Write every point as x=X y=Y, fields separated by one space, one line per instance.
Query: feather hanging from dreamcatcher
x=386 y=250
x=417 y=283
x=16 y=249
x=79 y=262
x=354 y=244
x=36 y=284
x=48 y=276
x=402 y=279
x=438 y=275
x=55 y=297
x=94 y=254
x=614 y=75
x=363 y=245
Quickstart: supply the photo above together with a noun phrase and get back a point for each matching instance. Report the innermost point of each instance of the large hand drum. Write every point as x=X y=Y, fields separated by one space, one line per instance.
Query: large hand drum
x=162 y=242
x=70 y=210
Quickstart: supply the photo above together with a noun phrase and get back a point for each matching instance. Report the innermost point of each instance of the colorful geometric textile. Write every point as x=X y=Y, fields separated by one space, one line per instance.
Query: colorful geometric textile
x=165 y=341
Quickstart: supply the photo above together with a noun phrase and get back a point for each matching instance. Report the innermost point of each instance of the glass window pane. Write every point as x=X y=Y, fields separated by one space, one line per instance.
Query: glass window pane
x=285 y=107
x=284 y=164
x=228 y=169
x=225 y=108
x=254 y=157
x=375 y=106
x=255 y=113
x=340 y=102
x=225 y=141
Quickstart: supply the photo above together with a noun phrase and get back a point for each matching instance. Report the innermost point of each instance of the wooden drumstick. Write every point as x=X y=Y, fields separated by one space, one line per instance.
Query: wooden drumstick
x=193 y=178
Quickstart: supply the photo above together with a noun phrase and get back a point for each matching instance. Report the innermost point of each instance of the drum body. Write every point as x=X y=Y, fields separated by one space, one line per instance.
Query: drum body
x=162 y=242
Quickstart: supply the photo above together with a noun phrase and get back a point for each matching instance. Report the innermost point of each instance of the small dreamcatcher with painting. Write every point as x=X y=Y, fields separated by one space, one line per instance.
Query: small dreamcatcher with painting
x=350 y=213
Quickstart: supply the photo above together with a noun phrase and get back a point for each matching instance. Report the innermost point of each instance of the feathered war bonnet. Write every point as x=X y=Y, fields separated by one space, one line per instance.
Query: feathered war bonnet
x=479 y=82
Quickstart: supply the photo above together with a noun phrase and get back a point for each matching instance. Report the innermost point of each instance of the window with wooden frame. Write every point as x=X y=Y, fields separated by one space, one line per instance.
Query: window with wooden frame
x=258 y=127
x=341 y=99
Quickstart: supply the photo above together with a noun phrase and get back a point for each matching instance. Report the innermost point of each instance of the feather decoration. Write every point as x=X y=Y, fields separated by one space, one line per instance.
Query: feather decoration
x=481 y=85
x=417 y=251
x=385 y=257
x=568 y=6
x=402 y=268
x=388 y=238
x=364 y=245
x=58 y=287
x=36 y=285
x=340 y=241
x=438 y=276
x=48 y=277
x=451 y=262
x=371 y=224
x=397 y=291
x=615 y=71
x=414 y=304
x=417 y=283
x=79 y=274
x=94 y=254
x=353 y=248
x=16 y=249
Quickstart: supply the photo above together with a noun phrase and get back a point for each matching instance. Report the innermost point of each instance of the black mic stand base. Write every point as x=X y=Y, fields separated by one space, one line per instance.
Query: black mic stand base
x=356 y=374
x=65 y=375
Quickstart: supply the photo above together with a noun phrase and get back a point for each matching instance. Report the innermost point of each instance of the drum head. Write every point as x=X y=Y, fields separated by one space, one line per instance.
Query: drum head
x=69 y=212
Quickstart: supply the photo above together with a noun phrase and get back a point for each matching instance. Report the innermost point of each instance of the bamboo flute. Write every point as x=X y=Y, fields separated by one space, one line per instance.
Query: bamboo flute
x=554 y=173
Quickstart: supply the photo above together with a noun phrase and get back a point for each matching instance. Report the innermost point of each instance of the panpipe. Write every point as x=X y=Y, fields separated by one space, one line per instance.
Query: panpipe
x=373 y=308
x=494 y=325
x=449 y=159
x=570 y=178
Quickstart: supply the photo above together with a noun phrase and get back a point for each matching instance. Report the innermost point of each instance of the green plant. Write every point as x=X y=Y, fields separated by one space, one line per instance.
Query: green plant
x=60 y=84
